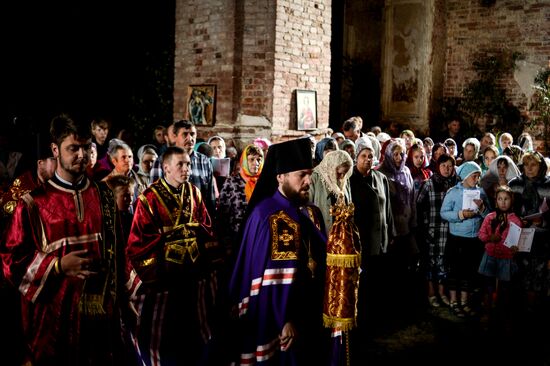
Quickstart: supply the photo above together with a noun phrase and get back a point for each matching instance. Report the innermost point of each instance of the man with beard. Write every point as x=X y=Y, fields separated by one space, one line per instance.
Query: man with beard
x=279 y=276
x=170 y=245
x=61 y=252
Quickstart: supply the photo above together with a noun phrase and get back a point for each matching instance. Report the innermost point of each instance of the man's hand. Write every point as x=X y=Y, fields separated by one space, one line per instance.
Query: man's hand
x=76 y=264
x=287 y=336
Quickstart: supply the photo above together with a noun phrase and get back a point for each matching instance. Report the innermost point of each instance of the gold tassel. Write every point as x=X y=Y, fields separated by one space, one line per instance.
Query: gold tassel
x=344 y=324
x=344 y=260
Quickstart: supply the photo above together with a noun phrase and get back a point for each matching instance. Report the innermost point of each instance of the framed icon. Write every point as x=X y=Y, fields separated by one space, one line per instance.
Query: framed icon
x=306 y=109
x=201 y=104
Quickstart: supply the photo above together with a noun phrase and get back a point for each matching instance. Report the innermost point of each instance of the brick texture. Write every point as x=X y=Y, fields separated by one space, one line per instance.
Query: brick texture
x=257 y=52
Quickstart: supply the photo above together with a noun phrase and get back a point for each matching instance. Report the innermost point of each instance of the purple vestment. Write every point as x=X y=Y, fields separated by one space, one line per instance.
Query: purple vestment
x=272 y=283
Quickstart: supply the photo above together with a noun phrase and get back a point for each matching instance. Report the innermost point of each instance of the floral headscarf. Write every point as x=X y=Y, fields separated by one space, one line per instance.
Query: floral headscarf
x=249 y=178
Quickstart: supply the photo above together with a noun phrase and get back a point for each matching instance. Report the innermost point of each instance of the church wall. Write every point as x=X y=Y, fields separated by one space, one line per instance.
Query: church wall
x=257 y=52
x=514 y=25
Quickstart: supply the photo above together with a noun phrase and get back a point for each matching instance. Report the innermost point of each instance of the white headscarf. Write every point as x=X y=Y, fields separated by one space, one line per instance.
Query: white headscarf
x=327 y=171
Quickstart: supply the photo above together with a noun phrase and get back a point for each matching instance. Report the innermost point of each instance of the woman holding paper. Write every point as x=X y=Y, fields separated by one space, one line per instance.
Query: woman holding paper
x=497 y=264
x=531 y=198
x=464 y=207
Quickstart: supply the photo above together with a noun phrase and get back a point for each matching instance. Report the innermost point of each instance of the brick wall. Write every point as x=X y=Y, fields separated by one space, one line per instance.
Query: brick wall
x=514 y=25
x=302 y=59
x=205 y=46
x=257 y=52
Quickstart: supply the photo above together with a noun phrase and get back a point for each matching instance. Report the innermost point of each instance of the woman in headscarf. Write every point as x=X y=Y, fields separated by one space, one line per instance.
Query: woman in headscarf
x=500 y=172
x=329 y=182
x=433 y=230
x=437 y=150
x=217 y=143
x=323 y=147
x=531 y=199
x=147 y=155
x=416 y=162
x=404 y=247
x=235 y=194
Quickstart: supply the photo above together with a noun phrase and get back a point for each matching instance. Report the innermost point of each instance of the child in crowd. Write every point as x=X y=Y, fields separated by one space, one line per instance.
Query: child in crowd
x=464 y=251
x=497 y=264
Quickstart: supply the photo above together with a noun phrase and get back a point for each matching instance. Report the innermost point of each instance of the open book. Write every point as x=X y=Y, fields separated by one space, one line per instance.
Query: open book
x=522 y=238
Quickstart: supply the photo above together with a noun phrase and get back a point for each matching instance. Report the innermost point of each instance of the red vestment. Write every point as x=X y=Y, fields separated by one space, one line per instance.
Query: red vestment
x=169 y=245
x=23 y=184
x=68 y=320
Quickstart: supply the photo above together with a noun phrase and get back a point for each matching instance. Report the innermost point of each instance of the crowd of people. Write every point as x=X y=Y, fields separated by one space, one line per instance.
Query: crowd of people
x=198 y=252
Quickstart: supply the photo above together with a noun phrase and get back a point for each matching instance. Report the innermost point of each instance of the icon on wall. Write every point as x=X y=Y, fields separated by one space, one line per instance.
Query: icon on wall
x=201 y=102
x=306 y=109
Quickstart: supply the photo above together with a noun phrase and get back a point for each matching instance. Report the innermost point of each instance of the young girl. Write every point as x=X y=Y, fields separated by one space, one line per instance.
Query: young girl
x=497 y=264
x=416 y=162
x=463 y=251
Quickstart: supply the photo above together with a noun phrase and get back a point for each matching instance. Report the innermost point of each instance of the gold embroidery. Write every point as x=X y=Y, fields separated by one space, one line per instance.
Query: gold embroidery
x=285 y=237
x=148 y=262
x=313 y=217
x=9 y=207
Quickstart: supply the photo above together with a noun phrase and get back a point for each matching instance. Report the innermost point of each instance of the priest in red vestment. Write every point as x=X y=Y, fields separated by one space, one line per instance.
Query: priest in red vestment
x=61 y=252
x=170 y=246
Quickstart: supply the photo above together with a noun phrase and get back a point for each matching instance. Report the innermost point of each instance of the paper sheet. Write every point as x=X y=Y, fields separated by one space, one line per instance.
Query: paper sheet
x=468 y=197
x=221 y=167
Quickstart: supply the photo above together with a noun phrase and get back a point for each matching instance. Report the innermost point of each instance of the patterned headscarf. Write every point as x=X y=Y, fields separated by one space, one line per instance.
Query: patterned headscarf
x=248 y=177
x=327 y=171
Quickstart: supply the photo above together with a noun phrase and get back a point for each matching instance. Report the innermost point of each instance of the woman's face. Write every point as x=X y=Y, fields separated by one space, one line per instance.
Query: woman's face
x=418 y=158
x=218 y=148
x=428 y=149
x=397 y=156
x=452 y=150
x=505 y=142
x=504 y=201
x=364 y=161
x=446 y=168
x=489 y=157
x=341 y=171
x=531 y=168
x=147 y=161
x=438 y=152
x=502 y=167
x=254 y=163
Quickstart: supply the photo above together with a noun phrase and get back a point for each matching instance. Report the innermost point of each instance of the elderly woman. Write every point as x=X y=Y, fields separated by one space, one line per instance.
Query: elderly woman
x=329 y=182
x=147 y=155
x=217 y=143
x=402 y=197
x=531 y=198
x=370 y=194
x=235 y=194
